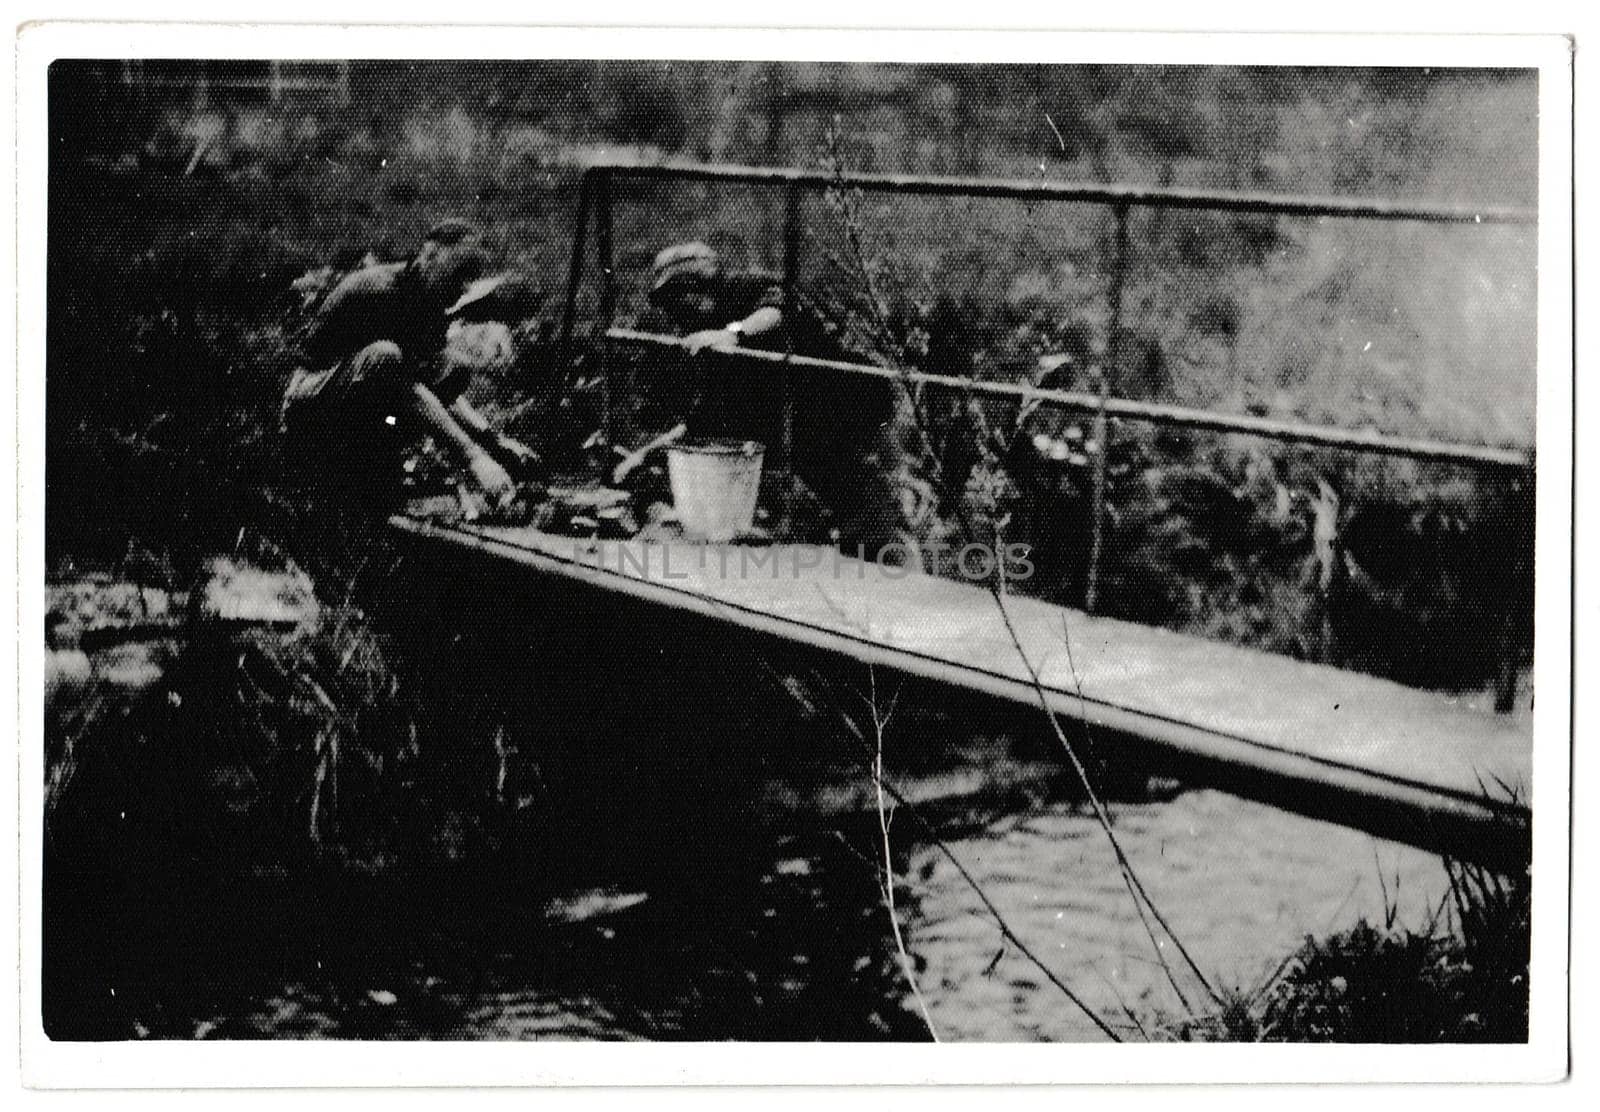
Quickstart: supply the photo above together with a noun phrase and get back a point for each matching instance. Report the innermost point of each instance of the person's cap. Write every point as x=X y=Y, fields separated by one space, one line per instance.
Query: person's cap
x=451 y=231
x=683 y=260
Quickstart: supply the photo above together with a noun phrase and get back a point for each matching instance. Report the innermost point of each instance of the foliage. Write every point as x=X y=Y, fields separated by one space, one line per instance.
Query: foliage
x=1460 y=977
x=177 y=232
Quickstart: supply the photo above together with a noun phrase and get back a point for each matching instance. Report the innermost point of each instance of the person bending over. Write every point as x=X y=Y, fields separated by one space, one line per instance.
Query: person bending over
x=375 y=378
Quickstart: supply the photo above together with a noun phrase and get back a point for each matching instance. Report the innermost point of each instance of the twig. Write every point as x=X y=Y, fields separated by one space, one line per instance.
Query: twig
x=1130 y=878
x=907 y=967
x=1006 y=931
x=1122 y=1003
x=200 y=148
x=931 y=836
x=1056 y=131
x=1136 y=890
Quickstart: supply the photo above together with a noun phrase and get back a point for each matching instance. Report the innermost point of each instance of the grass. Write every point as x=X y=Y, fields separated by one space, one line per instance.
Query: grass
x=259 y=744
x=1465 y=981
x=1460 y=976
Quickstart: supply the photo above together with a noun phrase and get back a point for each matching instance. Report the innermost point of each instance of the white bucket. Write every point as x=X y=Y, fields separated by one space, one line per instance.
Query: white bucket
x=714 y=486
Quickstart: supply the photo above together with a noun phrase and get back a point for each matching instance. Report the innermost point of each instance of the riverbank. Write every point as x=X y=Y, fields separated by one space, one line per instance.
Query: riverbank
x=591 y=855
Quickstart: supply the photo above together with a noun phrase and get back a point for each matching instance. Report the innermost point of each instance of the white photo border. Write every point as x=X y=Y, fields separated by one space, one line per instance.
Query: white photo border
x=233 y=1064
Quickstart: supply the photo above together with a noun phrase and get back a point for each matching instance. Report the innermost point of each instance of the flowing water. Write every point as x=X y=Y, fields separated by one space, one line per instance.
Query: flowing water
x=1240 y=884
x=706 y=868
x=788 y=937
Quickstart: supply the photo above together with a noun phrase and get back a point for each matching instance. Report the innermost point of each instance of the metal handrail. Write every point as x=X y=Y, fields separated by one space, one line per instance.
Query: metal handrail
x=595 y=200
x=1146 y=412
x=594 y=192
x=1087 y=192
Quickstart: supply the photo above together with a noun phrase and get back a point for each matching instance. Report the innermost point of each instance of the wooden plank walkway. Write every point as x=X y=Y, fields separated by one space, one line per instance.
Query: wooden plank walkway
x=1413 y=766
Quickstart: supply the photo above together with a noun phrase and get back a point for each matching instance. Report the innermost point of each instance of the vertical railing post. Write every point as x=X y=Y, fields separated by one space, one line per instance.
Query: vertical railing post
x=603 y=247
x=202 y=87
x=791 y=276
x=1102 y=427
x=608 y=293
x=1508 y=634
x=580 y=236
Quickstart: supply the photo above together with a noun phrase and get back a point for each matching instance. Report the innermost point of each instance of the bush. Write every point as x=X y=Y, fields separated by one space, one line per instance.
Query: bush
x=1463 y=980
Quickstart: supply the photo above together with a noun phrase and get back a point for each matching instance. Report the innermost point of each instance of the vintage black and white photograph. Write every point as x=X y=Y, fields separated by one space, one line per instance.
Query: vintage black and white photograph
x=687 y=551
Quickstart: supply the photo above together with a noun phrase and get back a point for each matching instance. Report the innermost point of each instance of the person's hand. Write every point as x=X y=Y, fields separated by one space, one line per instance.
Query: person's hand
x=479 y=345
x=494 y=481
x=514 y=454
x=719 y=338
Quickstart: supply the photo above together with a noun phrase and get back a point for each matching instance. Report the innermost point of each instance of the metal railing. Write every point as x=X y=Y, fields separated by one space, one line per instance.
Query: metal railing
x=273 y=79
x=594 y=199
x=595 y=203
x=1326 y=436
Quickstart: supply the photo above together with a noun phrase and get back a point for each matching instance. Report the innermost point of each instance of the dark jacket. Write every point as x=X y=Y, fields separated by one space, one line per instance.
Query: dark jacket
x=384 y=302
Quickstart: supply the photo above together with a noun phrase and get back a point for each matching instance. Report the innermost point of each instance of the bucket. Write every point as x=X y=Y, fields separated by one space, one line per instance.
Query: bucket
x=714 y=486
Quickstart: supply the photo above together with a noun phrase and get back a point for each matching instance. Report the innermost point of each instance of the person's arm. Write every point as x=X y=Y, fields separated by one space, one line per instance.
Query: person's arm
x=764 y=320
x=319 y=340
x=511 y=452
x=508 y=297
x=338 y=326
x=486 y=471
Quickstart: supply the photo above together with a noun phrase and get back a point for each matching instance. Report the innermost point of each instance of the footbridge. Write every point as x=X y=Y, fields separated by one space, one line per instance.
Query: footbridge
x=1415 y=766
